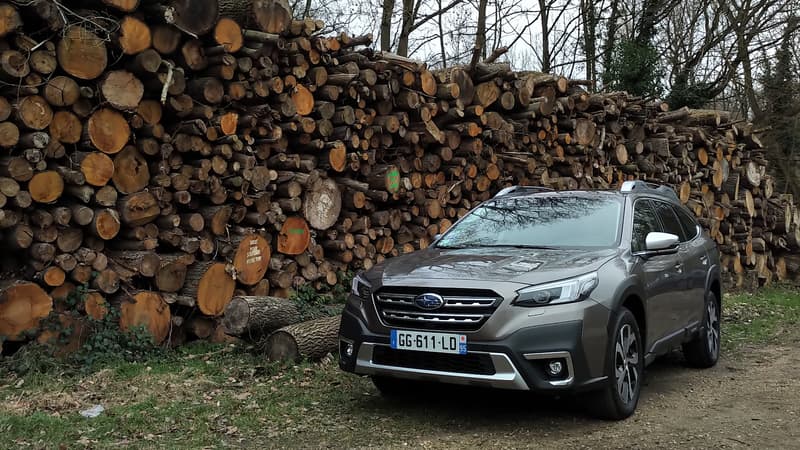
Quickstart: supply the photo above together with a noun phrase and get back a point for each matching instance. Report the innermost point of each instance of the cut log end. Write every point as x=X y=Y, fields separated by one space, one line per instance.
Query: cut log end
x=22 y=307
x=149 y=310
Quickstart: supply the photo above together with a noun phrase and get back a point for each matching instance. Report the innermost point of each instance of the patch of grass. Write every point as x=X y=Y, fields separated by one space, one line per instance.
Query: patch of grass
x=226 y=396
x=760 y=317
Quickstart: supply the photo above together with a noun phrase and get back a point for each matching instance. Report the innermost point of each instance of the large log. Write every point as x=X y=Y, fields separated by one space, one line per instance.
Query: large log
x=146 y=309
x=294 y=236
x=253 y=317
x=322 y=203
x=82 y=53
x=196 y=17
x=271 y=16
x=310 y=340
x=22 y=306
x=251 y=259
x=212 y=285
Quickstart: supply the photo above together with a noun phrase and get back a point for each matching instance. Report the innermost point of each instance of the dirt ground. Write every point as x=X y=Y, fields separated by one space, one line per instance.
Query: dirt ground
x=750 y=399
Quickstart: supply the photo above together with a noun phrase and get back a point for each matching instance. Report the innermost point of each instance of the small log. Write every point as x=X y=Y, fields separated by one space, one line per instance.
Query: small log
x=105 y=224
x=228 y=34
x=310 y=340
x=171 y=275
x=108 y=130
x=95 y=305
x=34 y=112
x=131 y=173
x=46 y=187
x=66 y=127
x=62 y=91
x=10 y=20
x=122 y=90
x=97 y=168
x=138 y=209
x=294 y=236
x=253 y=317
x=134 y=35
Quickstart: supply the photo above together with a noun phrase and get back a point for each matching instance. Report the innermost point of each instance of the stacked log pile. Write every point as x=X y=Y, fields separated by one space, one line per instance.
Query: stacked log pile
x=172 y=155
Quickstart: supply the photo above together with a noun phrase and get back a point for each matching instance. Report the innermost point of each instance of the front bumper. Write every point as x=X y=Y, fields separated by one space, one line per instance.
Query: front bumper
x=519 y=360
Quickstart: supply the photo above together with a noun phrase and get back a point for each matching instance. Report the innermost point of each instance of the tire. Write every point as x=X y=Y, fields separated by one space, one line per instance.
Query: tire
x=703 y=351
x=624 y=369
x=398 y=387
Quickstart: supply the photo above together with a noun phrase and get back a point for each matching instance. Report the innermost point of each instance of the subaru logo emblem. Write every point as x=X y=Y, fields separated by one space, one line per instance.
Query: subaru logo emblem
x=429 y=301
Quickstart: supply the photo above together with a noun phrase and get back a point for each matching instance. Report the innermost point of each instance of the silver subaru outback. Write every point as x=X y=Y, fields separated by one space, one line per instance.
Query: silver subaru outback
x=569 y=291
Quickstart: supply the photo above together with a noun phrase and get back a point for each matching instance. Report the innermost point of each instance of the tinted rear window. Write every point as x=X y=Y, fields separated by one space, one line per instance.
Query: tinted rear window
x=669 y=220
x=688 y=222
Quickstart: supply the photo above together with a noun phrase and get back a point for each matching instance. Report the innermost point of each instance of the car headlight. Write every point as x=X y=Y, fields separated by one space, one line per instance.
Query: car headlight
x=564 y=291
x=360 y=287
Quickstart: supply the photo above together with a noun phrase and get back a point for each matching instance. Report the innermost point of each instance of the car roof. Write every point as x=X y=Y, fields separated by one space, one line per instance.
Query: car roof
x=628 y=188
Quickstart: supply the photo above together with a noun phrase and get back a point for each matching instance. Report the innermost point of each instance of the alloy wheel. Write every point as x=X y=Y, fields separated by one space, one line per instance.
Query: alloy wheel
x=626 y=364
x=712 y=329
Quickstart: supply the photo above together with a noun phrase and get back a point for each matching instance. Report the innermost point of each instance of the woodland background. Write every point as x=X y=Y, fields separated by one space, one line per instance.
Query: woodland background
x=742 y=55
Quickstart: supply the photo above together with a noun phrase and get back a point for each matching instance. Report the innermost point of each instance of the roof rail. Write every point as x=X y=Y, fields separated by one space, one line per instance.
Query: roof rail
x=528 y=189
x=653 y=188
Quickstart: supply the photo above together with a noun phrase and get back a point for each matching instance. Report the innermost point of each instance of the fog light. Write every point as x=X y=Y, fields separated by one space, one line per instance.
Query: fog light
x=554 y=368
x=348 y=350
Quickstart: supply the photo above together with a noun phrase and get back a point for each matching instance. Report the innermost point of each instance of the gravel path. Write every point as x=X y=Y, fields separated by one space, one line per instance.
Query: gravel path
x=750 y=399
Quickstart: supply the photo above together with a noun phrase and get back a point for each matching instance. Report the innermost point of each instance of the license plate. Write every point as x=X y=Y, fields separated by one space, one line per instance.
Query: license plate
x=429 y=342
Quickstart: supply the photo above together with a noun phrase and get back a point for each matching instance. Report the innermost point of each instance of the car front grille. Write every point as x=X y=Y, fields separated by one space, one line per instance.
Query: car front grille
x=463 y=309
x=472 y=363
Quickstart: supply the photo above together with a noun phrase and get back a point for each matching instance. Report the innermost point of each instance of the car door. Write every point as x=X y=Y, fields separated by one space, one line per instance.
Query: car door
x=662 y=275
x=681 y=306
x=695 y=264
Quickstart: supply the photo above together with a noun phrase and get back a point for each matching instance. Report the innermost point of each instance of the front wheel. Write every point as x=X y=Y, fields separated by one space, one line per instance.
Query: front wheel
x=703 y=350
x=624 y=369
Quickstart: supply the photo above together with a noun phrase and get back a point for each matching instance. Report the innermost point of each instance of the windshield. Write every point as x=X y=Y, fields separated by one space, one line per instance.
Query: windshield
x=539 y=221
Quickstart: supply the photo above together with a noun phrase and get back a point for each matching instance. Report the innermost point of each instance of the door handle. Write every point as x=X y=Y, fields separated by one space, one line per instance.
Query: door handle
x=679 y=267
x=704 y=260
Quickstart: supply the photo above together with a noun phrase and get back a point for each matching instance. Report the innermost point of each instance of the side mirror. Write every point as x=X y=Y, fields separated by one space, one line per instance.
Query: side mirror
x=437 y=237
x=661 y=243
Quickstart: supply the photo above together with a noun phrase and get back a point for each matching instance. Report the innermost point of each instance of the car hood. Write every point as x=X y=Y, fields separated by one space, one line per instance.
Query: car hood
x=526 y=266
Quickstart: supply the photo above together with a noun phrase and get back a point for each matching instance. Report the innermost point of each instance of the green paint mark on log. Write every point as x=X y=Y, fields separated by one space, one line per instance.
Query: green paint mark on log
x=393 y=180
x=297 y=231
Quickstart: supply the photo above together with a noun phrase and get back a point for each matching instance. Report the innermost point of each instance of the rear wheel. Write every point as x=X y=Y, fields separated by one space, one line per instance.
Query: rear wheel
x=624 y=369
x=703 y=351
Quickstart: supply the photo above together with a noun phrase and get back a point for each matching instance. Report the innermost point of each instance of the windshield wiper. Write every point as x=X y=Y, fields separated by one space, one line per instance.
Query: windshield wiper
x=450 y=247
x=532 y=247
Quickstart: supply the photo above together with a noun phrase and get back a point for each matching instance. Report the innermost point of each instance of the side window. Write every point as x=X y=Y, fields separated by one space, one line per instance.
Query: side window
x=644 y=221
x=669 y=220
x=689 y=224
